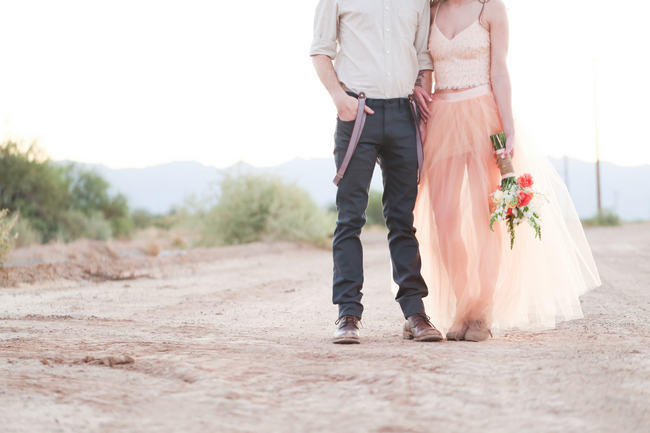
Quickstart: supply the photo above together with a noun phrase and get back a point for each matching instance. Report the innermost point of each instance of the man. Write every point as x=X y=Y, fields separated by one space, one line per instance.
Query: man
x=380 y=53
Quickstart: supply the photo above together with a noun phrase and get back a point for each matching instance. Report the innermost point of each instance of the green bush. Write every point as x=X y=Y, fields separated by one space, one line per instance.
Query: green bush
x=142 y=218
x=253 y=208
x=77 y=224
x=33 y=187
x=605 y=218
x=89 y=194
x=25 y=234
x=6 y=236
x=97 y=227
x=51 y=199
x=375 y=209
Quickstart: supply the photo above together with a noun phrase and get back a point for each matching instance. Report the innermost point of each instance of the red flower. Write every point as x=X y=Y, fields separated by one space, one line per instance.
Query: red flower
x=524 y=199
x=525 y=180
x=509 y=213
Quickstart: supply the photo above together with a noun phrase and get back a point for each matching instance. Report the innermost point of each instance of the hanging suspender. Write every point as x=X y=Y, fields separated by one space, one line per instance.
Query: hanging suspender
x=418 y=133
x=358 y=129
x=354 y=138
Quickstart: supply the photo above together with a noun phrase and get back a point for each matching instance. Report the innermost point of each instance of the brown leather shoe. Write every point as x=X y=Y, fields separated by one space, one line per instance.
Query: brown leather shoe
x=347 y=331
x=418 y=327
x=478 y=331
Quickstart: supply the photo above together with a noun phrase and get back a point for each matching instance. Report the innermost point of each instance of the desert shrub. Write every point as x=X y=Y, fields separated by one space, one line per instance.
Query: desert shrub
x=76 y=224
x=25 y=234
x=97 y=227
x=604 y=218
x=178 y=242
x=89 y=193
x=375 y=209
x=33 y=187
x=73 y=226
x=50 y=197
x=152 y=248
x=142 y=218
x=252 y=208
x=6 y=236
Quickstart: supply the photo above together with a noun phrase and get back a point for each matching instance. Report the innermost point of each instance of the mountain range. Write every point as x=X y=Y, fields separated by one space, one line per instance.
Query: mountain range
x=625 y=190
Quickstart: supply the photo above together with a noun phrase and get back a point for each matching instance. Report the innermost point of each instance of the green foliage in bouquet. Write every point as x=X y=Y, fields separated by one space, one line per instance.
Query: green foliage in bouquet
x=513 y=201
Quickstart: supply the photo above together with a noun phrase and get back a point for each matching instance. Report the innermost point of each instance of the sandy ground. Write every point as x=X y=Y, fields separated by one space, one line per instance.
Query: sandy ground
x=237 y=340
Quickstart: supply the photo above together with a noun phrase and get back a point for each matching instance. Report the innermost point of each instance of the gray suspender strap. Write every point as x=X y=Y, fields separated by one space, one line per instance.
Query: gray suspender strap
x=354 y=138
x=418 y=135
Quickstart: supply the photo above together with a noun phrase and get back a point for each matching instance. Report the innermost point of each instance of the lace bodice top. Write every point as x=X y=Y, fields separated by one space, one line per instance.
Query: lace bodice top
x=464 y=60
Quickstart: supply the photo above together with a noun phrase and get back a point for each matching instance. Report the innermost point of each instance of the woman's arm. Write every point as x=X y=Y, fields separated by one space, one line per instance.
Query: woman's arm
x=497 y=18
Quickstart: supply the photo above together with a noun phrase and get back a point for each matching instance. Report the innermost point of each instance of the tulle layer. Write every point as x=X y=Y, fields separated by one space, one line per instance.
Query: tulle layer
x=471 y=272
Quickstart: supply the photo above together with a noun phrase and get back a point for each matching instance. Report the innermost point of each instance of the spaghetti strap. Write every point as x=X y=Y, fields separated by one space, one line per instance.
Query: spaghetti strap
x=480 y=15
x=435 y=14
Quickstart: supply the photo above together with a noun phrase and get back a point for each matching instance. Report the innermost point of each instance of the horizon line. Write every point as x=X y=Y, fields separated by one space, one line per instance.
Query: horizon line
x=298 y=158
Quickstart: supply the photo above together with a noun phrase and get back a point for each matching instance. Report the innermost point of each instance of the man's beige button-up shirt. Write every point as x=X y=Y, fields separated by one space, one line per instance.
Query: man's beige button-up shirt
x=378 y=46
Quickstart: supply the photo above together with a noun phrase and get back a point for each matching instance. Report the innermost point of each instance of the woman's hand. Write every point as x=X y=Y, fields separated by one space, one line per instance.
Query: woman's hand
x=422 y=98
x=510 y=144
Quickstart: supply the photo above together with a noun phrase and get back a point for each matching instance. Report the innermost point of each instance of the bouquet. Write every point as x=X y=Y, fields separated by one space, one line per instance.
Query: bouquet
x=513 y=202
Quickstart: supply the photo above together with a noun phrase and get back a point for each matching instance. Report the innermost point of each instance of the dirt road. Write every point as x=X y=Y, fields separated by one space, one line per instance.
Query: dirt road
x=237 y=340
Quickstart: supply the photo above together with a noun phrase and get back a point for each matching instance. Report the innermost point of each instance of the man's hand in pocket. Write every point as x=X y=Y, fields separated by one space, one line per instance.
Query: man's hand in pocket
x=347 y=107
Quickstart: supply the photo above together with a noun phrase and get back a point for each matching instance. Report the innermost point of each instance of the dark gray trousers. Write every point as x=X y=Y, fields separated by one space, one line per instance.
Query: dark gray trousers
x=389 y=135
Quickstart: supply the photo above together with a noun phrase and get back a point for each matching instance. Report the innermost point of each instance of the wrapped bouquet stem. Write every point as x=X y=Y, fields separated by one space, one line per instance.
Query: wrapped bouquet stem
x=503 y=159
x=515 y=200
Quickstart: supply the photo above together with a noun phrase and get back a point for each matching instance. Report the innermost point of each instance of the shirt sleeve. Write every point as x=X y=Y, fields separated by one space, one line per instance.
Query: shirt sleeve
x=326 y=23
x=422 y=38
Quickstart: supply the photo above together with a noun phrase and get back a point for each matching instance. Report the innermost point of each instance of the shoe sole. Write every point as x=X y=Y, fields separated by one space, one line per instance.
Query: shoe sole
x=476 y=340
x=425 y=339
x=346 y=340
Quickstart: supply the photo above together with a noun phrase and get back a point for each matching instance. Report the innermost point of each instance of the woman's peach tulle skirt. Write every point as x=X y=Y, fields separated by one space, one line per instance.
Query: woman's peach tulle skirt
x=470 y=271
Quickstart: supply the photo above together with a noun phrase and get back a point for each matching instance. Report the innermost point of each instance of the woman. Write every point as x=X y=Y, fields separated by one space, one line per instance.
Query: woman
x=476 y=282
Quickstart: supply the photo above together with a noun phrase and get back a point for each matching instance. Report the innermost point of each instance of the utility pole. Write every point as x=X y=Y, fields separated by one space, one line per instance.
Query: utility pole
x=600 y=208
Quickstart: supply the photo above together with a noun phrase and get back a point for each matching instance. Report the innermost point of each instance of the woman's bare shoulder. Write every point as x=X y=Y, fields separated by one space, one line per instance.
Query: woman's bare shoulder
x=495 y=8
x=495 y=11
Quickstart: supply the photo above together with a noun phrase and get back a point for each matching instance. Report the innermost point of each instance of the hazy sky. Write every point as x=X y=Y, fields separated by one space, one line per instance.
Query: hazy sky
x=141 y=82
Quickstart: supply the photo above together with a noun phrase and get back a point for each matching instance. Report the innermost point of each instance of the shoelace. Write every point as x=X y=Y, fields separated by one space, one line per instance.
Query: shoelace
x=425 y=318
x=347 y=319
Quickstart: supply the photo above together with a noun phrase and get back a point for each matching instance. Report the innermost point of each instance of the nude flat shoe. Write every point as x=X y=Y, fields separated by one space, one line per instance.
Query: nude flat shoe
x=457 y=332
x=478 y=331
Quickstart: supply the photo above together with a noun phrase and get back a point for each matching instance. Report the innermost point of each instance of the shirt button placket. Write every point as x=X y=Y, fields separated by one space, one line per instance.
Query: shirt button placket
x=387 y=39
